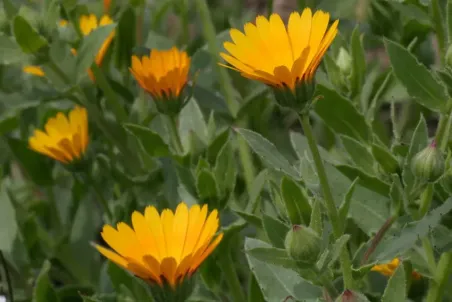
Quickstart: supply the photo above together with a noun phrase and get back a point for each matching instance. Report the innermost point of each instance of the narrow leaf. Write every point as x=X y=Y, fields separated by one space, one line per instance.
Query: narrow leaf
x=276 y=230
x=396 y=289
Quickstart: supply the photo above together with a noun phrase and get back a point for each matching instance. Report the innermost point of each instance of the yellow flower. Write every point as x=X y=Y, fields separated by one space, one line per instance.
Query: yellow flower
x=65 y=138
x=34 y=70
x=88 y=23
x=281 y=56
x=163 y=73
x=388 y=269
x=163 y=249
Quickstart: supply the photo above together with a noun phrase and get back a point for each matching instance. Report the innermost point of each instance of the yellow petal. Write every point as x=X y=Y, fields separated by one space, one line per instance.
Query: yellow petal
x=145 y=235
x=168 y=268
x=154 y=222
x=180 y=231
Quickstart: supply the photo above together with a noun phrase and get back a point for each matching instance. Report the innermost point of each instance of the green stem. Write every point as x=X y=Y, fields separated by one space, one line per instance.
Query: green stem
x=7 y=277
x=428 y=249
x=54 y=209
x=225 y=86
x=437 y=285
x=333 y=214
x=426 y=200
x=185 y=38
x=228 y=267
x=438 y=23
x=209 y=33
x=175 y=137
x=442 y=132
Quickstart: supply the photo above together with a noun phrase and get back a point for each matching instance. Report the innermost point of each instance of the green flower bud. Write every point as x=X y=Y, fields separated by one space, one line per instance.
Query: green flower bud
x=351 y=296
x=303 y=244
x=428 y=165
x=449 y=56
x=344 y=61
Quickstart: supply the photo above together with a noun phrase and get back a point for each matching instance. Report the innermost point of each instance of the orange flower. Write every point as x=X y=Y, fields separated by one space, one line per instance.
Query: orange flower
x=388 y=269
x=34 y=70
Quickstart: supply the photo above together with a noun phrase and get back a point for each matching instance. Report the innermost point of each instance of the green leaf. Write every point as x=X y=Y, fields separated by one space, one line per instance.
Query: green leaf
x=345 y=118
x=359 y=154
x=8 y=224
x=226 y=169
x=278 y=283
x=359 y=63
x=416 y=78
x=33 y=163
x=268 y=152
x=419 y=141
x=273 y=256
x=250 y=218
x=396 y=289
x=27 y=38
x=51 y=15
x=368 y=181
x=297 y=204
x=256 y=188
x=334 y=252
x=43 y=290
x=345 y=205
x=449 y=22
x=411 y=233
x=124 y=41
x=386 y=160
x=275 y=229
x=207 y=187
x=191 y=121
x=89 y=48
x=150 y=141
x=316 y=217
x=10 y=52
x=10 y=9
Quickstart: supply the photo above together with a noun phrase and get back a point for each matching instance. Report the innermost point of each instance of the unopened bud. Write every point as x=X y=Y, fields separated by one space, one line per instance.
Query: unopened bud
x=351 y=296
x=344 y=61
x=428 y=165
x=303 y=244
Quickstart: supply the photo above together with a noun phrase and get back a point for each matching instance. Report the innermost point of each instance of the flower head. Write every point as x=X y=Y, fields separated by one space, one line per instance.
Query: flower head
x=166 y=248
x=279 y=55
x=163 y=73
x=388 y=269
x=34 y=70
x=88 y=23
x=65 y=138
x=63 y=22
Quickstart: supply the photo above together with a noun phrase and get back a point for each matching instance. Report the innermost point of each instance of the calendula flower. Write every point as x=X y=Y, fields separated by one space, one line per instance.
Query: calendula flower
x=388 y=269
x=65 y=138
x=88 y=23
x=283 y=57
x=163 y=74
x=34 y=70
x=163 y=249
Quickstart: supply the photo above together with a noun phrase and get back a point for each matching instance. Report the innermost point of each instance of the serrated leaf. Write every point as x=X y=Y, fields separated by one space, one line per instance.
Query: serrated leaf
x=345 y=118
x=411 y=233
x=396 y=289
x=250 y=218
x=268 y=152
x=368 y=181
x=334 y=252
x=278 y=283
x=27 y=38
x=416 y=78
x=150 y=141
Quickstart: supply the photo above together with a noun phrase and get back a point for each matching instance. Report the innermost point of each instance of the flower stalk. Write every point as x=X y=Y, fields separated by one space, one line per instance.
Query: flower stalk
x=437 y=285
x=228 y=267
x=332 y=211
